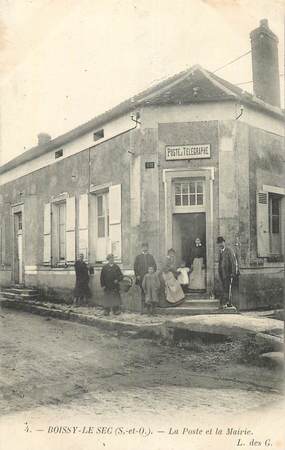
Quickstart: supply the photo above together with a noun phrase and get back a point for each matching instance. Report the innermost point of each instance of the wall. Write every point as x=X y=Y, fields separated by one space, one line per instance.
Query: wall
x=109 y=162
x=76 y=145
x=243 y=159
x=266 y=166
x=181 y=134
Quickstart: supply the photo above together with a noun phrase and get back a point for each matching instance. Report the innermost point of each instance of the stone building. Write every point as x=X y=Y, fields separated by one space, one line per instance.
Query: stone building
x=192 y=156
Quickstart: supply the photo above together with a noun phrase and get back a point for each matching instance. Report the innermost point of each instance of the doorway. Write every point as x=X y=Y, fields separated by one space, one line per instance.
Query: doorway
x=189 y=214
x=18 y=248
x=186 y=228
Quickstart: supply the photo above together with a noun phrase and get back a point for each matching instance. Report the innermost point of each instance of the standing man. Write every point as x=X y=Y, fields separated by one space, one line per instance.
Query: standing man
x=141 y=265
x=110 y=277
x=228 y=271
x=81 y=291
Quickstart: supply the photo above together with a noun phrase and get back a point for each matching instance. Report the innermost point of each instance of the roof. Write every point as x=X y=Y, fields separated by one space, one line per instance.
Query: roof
x=193 y=85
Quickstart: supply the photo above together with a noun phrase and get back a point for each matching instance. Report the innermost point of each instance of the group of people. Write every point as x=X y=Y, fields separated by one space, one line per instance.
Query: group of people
x=169 y=285
x=165 y=287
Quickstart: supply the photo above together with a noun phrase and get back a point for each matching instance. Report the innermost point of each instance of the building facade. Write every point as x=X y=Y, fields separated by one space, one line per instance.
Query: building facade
x=191 y=157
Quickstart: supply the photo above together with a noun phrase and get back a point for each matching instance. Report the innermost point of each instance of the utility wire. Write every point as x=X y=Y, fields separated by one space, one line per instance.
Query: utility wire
x=248 y=82
x=231 y=62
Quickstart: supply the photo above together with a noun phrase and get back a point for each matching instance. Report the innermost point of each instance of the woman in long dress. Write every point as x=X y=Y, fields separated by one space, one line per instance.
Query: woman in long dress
x=198 y=264
x=172 y=290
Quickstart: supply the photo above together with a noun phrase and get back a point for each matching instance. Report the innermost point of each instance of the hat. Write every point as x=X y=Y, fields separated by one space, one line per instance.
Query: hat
x=220 y=239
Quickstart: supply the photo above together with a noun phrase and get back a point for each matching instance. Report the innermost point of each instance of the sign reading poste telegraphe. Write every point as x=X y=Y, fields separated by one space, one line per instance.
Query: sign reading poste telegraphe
x=174 y=152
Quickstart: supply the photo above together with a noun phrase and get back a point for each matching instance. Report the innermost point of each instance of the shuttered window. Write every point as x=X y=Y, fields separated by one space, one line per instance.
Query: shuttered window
x=105 y=222
x=268 y=224
x=61 y=223
x=70 y=230
x=47 y=233
x=275 y=224
x=262 y=224
x=83 y=225
x=115 y=220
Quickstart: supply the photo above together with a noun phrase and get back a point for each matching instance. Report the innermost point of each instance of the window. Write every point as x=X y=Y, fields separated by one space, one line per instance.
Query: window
x=58 y=153
x=105 y=222
x=98 y=135
x=189 y=193
x=269 y=223
x=103 y=215
x=61 y=231
x=19 y=222
x=275 y=223
x=58 y=232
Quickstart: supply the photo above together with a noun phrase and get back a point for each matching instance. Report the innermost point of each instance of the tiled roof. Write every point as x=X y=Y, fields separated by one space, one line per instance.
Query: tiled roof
x=193 y=85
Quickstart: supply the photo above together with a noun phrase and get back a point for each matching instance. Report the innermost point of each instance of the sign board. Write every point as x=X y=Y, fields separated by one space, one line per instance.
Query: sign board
x=200 y=151
x=149 y=165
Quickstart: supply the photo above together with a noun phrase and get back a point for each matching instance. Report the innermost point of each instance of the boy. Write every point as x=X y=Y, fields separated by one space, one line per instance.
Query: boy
x=150 y=286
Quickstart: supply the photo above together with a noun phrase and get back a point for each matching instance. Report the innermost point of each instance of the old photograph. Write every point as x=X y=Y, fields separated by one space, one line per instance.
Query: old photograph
x=142 y=224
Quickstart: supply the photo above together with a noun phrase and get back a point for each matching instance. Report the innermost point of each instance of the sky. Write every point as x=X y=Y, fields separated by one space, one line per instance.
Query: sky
x=66 y=61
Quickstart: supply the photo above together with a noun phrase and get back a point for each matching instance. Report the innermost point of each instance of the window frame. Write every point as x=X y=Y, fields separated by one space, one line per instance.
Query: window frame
x=188 y=208
x=56 y=234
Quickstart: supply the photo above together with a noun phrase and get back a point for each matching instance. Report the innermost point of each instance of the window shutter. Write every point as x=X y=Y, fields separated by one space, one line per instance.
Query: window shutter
x=115 y=213
x=83 y=225
x=47 y=233
x=262 y=224
x=70 y=229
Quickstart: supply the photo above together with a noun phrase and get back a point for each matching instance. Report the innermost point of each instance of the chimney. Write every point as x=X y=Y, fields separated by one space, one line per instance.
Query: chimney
x=265 y=69
x=43 y=138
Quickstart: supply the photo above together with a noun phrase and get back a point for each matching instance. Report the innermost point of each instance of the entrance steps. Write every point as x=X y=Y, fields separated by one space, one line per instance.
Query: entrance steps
x=194 y=303
x=19 y=292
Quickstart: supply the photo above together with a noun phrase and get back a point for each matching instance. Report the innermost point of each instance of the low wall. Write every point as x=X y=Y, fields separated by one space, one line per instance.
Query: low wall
x=58 y=284
x=5 y=278
x=258 y=287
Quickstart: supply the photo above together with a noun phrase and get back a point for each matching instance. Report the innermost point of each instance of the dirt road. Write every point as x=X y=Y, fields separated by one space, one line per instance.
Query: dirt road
x=62 y=366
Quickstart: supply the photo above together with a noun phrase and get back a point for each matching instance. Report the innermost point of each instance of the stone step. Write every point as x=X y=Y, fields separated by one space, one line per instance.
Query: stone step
x=197 y=294
x=186 y=311
x=19 y=295
x=24 y=291
x=180 y=311
x=30 y=296
x=8 y=294
x=211 y=303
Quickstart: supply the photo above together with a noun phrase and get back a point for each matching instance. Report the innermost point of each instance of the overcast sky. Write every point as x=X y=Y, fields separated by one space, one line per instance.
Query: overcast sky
x=65 y=61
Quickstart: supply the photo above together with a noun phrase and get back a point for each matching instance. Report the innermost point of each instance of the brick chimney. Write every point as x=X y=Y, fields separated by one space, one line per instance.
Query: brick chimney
x=265 y=69
x=43 y=138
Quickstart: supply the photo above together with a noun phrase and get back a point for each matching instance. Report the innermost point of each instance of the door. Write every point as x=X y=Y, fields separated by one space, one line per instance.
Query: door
x=189 y=217
x=20 y=257
x=18 y=248
x=103 y=235
x=186 y=228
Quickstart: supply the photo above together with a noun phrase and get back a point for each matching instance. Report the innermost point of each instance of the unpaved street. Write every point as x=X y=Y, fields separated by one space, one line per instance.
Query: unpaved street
x=57 y=365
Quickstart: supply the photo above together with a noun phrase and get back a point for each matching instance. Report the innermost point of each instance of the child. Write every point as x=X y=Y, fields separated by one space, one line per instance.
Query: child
x=150 y=287
x=183 y=276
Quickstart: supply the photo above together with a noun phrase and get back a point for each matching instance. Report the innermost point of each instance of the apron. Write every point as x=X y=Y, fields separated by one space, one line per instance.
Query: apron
x=197 y=276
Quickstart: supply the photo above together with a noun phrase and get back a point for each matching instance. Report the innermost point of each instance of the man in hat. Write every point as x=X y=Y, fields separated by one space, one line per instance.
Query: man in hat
x=228 y=271
x=142 y=262
x=82 y=291
x=110 y=277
